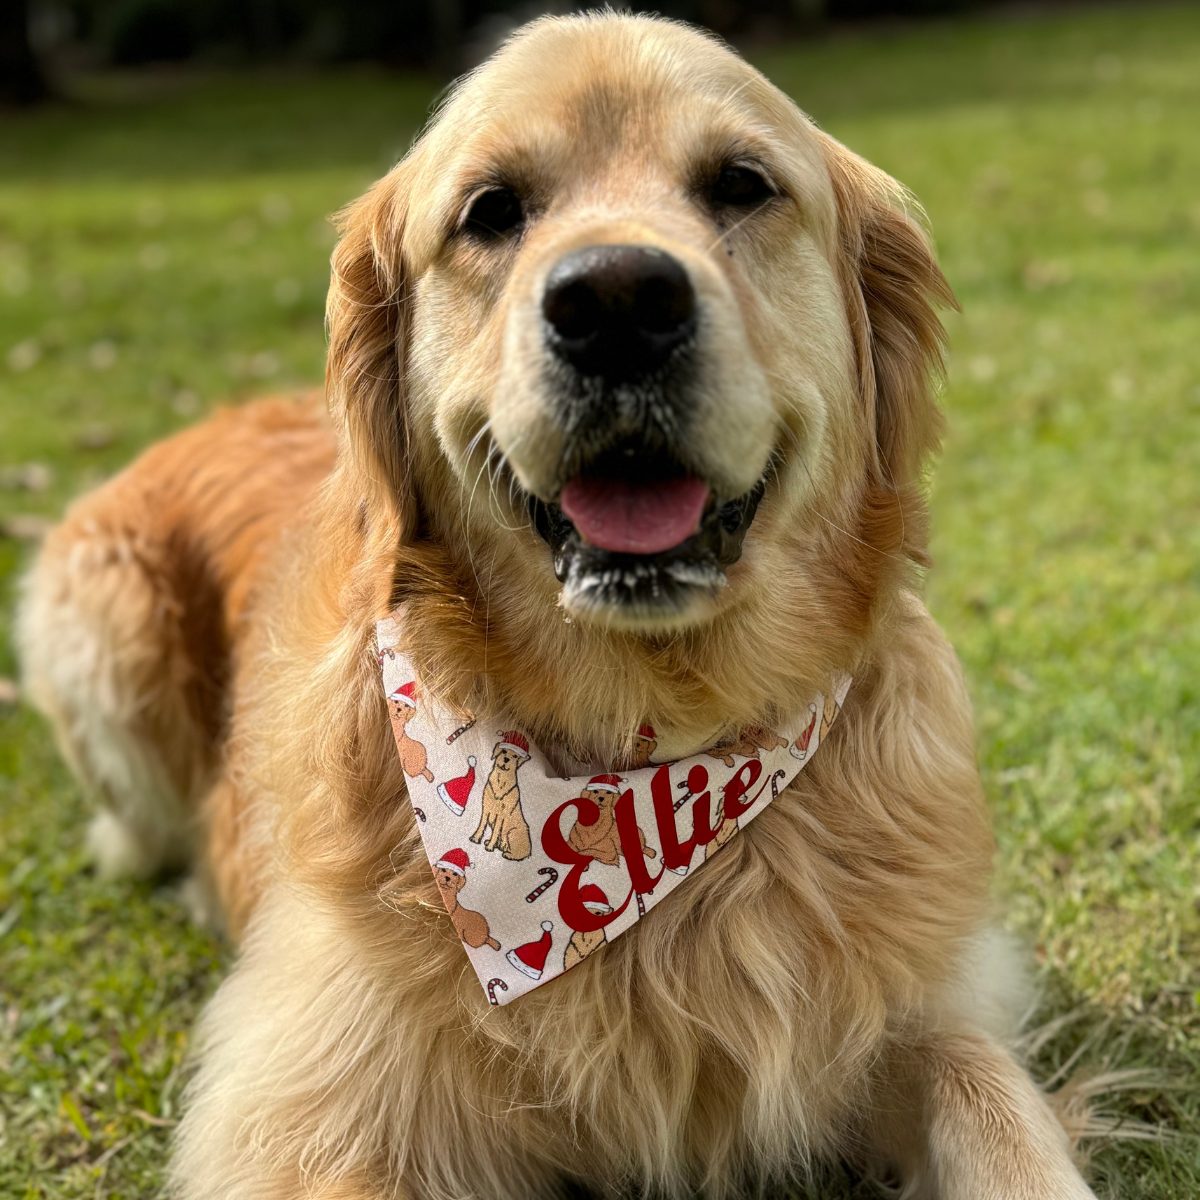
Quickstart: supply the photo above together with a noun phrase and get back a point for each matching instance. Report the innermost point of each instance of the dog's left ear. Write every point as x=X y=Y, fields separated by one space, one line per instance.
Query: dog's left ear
x=367 y=318
x=893 y=288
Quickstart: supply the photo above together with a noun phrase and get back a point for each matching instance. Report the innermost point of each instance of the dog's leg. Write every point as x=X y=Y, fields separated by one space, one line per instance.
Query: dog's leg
x=497 y=831
x=324 y=1072
x=517 y=845
x=962 y=1121
x=481 y=828
x=115 y=660
x=500 y=822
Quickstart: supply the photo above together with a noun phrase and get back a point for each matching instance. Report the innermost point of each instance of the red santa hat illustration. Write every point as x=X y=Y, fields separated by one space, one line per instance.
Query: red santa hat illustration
x=516 y=742
x=605 y=783
x=456 y=792
x=454 y=860
x=594 y=900
x=647 y=732
x=530 y=959
x=406 y=694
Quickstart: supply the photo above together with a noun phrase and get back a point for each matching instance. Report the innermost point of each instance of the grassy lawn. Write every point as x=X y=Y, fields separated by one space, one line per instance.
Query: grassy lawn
x=162 y=248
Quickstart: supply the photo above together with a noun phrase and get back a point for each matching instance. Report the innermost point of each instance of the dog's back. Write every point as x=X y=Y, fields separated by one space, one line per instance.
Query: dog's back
x=134 y=612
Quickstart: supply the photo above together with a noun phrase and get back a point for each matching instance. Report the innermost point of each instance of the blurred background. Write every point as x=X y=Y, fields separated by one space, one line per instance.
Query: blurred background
x=167 y=168
x=447 y=35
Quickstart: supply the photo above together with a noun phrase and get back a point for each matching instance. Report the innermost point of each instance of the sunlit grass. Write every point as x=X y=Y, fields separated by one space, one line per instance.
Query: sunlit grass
x=164 y=247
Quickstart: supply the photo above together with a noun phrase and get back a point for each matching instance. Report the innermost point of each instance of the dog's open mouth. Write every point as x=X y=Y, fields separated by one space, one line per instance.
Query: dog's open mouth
x=635 y=530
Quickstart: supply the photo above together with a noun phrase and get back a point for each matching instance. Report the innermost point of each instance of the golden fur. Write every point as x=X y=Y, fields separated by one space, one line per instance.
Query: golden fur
x=816 y=989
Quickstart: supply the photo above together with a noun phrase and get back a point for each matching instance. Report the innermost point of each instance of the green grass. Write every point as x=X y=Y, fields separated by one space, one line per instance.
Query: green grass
x=162 y=247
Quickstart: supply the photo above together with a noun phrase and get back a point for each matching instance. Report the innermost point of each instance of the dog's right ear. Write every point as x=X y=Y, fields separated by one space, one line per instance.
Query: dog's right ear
x=367 y=319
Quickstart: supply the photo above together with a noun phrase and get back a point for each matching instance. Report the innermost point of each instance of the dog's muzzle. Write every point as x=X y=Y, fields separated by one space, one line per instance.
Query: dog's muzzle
x=633 y=526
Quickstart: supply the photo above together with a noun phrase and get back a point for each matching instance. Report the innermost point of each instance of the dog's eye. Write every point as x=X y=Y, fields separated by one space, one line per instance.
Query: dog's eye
x=494 y=213
x=740 y=187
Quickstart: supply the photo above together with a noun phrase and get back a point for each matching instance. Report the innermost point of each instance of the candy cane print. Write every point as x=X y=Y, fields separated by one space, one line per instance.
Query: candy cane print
x=641 y=906
x=541 y=887
x=491 y=989
x=687 y=795
x=420 y=813
x=459 y=732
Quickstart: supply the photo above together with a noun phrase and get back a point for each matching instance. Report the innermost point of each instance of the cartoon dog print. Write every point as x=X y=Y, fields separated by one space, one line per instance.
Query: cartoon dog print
x=645 y=742
x=753 y=740
x=502 y=800
x=450 y=871
x=729 y=827
x=829 y=715
x=403 y=708
x=601 y=840
x=582 y=942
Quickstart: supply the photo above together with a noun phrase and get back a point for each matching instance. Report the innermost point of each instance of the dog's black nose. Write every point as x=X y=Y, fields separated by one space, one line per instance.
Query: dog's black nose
x=618 y=312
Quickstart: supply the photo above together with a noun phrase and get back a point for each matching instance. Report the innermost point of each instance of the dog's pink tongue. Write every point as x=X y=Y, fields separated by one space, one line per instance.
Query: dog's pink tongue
x=634 y=518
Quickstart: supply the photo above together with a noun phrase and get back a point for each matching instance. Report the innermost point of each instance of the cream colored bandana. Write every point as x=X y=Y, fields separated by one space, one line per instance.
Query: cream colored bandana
x=537 y=871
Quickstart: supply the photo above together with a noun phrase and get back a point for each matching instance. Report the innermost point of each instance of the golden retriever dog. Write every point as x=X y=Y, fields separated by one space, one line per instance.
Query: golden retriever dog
x=629 y=382
x=450 y=874
x=413 y=756
x=750 y=743
x=502 y=812
x=601 y=839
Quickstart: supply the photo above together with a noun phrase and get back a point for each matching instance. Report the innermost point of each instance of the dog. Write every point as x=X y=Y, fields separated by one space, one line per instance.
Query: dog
x=413 y=756
x=750 y=743
x=645 y=742
x=450 y=874
x=502 y=801
x=600 y=840
x=583 y=942
x=629 y=383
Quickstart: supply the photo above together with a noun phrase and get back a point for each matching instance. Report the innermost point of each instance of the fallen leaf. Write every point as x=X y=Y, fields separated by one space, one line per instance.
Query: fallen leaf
x=26 y=527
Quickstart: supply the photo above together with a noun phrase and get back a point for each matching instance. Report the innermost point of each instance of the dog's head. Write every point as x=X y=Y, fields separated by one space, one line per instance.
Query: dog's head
x=630 y=335
x=505 y=759
x=449 y=882
x=605 y=799
x=643 y=748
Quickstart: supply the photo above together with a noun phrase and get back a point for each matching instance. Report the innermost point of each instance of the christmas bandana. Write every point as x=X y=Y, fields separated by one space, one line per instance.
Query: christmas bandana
x=537 y=871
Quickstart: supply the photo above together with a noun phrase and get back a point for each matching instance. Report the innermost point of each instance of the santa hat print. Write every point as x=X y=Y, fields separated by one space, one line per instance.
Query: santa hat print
x=530 y=959
x=456 y=792
x=594 y=900
x=605 y=783
x=647 y=732
x=454 y=860
x=406 y=695
x=515 y=742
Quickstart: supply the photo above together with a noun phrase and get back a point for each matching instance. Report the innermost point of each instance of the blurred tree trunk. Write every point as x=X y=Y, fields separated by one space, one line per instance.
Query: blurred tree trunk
x=21 y=79
x=809 y=13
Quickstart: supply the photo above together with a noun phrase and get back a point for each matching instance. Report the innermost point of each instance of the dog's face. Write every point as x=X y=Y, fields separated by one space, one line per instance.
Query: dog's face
x=505 y=760
x=620 y=270
x=605 y=801
x=449 y=882
x=643 y=748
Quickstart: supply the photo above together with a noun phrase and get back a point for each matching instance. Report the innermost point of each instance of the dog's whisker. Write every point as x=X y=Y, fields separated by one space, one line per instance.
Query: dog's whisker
x=726 y=233
x=496 y=454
